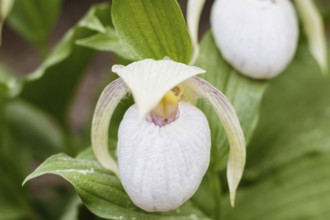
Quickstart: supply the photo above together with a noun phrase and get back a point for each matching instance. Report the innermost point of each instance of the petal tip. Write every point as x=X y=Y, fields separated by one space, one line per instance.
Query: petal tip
x=115 y=68
x=200 y=70
x=232 y=199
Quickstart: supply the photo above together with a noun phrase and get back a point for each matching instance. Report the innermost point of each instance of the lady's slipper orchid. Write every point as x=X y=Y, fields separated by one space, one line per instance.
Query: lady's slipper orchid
x=164 y=140
x=260 y=28
x=259 y=38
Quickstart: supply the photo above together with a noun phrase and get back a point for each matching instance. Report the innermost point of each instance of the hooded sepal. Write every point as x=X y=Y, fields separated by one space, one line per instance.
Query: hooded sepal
x=149 y=80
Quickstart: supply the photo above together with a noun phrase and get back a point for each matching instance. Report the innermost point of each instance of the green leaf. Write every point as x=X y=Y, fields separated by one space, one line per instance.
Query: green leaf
x=10 y=84
x=9 y=88
x=101 y=191
x=98 y=18
x=91 y=21
x=53 y=85
x=10 y=212
x=298 y=190
x=33 y=128
x=152 y=29
x=245 y=94
x=72 y=210
x=107 y=41
x=289 y=155
x=294 y=119
x=13 y=198
x=34 y=19
x=208 y=196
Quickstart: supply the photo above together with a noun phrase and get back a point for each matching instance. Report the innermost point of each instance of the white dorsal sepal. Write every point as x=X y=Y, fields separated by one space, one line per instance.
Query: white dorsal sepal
x=149 y=80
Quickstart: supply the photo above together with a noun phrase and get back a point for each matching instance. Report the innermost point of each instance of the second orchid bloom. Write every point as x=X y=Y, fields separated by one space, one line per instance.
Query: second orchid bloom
x=164 y=140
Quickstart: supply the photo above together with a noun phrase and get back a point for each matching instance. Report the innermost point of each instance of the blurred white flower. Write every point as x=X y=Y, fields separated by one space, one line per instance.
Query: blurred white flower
x=259 y=38
x=164 y=140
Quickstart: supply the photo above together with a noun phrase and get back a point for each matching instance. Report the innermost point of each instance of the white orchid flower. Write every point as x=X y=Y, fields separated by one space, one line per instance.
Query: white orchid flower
x=258 y=38
x=164 y=140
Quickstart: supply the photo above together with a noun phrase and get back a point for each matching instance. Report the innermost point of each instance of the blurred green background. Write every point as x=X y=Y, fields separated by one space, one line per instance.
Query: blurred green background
x=288 y=166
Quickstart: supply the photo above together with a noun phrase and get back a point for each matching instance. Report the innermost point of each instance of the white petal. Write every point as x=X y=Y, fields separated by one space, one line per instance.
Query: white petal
x=314 y=29
x=259 y=38
x=194 y=11
x=149 y=80
x=105 y=107
x=162 y=167
x=230 y=122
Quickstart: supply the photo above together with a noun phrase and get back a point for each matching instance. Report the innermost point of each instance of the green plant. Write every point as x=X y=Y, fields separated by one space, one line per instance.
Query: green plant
x=285 y=121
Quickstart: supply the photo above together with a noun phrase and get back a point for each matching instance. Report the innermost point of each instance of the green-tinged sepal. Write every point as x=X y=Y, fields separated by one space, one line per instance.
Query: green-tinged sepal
x=228 y=117
x=106 y=105
x=314 y=29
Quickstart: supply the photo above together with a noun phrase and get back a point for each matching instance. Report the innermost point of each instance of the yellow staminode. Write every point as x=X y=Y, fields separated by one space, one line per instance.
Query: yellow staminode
x=170 y=98
x=168 y=106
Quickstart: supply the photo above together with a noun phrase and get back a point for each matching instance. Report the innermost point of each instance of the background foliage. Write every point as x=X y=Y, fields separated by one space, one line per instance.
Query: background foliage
x=285 y=120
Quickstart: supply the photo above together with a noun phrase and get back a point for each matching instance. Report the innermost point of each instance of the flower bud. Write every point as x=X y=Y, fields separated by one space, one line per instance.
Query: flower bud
x=257 y=37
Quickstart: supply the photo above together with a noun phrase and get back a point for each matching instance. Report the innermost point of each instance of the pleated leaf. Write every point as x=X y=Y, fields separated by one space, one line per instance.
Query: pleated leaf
x=294 y=118
x=298 y=190
x=107 y=41
x=34 y=19
x=101 y=191
x=152 y=29
x=208 y=196
x=33 y=128
x=60 y=73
